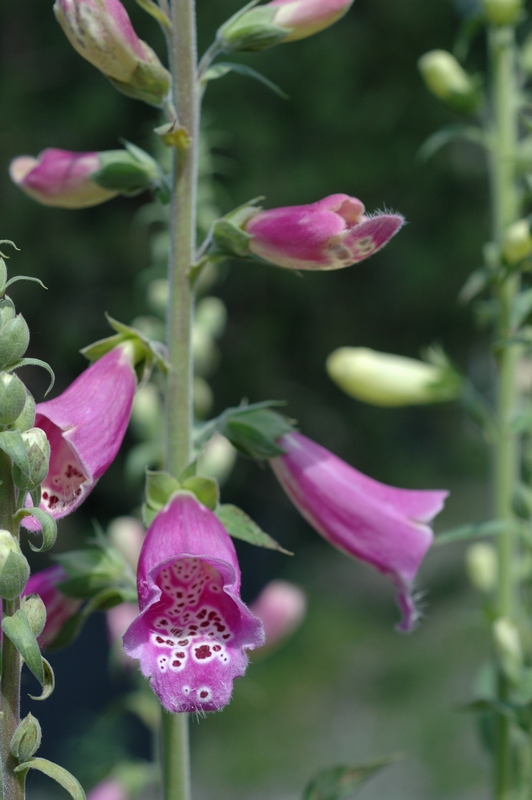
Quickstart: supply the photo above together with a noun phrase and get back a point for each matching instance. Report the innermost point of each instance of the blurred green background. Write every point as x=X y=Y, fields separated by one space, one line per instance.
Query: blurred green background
x=348 y=688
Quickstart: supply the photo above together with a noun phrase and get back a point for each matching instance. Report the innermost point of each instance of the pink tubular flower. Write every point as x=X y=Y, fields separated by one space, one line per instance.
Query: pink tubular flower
x=59 y=607
x=307 y=17
x=108 y=789
x=60 y=178
x=330 y=234
x=281 y=606
x=381 y=525
x=193 y=629
x=85 y=426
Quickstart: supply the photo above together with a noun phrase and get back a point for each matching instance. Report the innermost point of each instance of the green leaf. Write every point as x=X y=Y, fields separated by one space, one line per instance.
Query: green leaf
x=12 y=444
x=49 y=682
x=205 y=489
x=47 y=523
x=450 y=134
x=253 y=432
x=521 y=308
x=490 y=528
x=59 y=774
x=240 y=526
x=34 y=362
x=337 y=783
x=223 y=68
x=18 y=629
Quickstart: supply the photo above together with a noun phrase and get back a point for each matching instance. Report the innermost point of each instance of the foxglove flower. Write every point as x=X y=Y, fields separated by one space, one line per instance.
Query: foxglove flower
x=60 y=178
x=101 y=32
x=330 y=234
x=281 y=606
x=381 y=525
x=307 y=17
x=85 y=426
x=193 y=629
x=59 y=607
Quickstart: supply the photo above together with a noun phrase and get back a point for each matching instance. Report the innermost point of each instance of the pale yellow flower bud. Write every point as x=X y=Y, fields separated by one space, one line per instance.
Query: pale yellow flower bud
x=481 y=566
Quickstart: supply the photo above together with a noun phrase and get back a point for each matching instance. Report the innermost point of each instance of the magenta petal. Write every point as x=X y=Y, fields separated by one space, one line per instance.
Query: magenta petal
x=368 y=520
x=85 y=426
x=59 y=607
x=193 y=629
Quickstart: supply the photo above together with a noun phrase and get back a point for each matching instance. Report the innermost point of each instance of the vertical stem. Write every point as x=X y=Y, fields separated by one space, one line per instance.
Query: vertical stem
x=12 y=783
x=179 y=409
x=505 y=206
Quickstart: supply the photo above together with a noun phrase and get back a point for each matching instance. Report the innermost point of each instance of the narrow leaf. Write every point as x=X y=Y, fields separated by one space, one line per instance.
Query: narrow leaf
x=337 y=783
x=34 y=362
x=49 y=682
x=450 y=134
x=240 y=526
x=47 y=523
x=59 y=774
x=224 y=68
x=18 y=629
x=474 y=531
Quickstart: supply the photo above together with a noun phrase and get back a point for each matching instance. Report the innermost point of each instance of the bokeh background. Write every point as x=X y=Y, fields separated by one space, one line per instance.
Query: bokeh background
x=347 y=688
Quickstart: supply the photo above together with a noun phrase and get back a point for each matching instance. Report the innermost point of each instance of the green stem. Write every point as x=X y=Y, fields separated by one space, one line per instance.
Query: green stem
x=179 y=401
x=505 y=206
x=12 y=783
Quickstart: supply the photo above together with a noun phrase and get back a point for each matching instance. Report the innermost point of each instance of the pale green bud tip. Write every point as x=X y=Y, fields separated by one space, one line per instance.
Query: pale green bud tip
x=35 y=610
x=502 y=12
x=446 y=79
x=482 y=566
x=387 y=380
x=517 y=243
x=26 y=739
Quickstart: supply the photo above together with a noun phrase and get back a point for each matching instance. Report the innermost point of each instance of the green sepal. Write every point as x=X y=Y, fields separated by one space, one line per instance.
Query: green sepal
x=147 y=352
x=59 y=774
x=228 y=234
x=240 y=526
x=160 y=486
x=33 y=362
x=337 y=783
x=254 y=432
x=251 y=30
x=12 y=444
x=128 y=171
x=18 y=629
x=221 y=69
x=205 y=489
x=23 y=278
x=47 y=523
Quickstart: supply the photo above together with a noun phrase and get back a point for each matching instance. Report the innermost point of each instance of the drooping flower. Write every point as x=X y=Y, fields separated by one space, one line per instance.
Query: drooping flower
x=281 y=606
x=101 y=32
x=193 y=629
x=330 y=234
x=60 y=178
x=85 y=426
x=59 y=607
x=381 y=525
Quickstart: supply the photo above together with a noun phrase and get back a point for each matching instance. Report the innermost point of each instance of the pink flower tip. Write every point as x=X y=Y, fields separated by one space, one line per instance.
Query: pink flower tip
x=307 y=17
x=281 y=606
x=193 y=629
x=329 y=234
x=370 y=521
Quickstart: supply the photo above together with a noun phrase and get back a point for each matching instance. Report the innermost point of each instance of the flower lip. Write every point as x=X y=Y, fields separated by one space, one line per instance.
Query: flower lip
x=193 y=628
x=381 y=525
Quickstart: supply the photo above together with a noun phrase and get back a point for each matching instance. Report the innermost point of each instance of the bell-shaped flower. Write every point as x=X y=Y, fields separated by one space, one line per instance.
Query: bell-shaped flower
x=193 y=629
x=59 y=607
x=85 y=426
x=61 y=178
x=381 y=525
x=101 y=32
x=330 y=234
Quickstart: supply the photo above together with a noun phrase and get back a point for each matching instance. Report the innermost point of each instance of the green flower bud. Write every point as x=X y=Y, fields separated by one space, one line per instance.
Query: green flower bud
x=508 y=647
x=38 y=451
x=447 y=80
x=517 y=243
x=26 y=739
x=251 y=31
x=481 y=566
x=502 y=12
x=26 y=419
x=7 y=311
x=14 y=340
x=35 y=611
x=3 y=275
x=12 y=398
x=14 y=568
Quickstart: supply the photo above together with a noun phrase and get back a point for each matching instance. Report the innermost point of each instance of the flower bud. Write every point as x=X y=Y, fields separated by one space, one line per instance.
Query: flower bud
x=7 y=311
x=508 y=647
x=481 y=566
x=446 y=79
x=35 y=610
x=38 y=452
x=517 y=243
x=14 y=568
x=502 y=12
x=12 y=398
x=14 y=340
x=217 y=459
x=281 y=606
x=26 y=739
x=389 y=380
x=258 y=28
x=101 y=32
x=27 y=416
x=126 y=535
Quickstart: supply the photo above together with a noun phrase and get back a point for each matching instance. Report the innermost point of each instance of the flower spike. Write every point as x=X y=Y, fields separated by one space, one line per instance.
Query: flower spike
x=381 y=525
x=193 y=629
